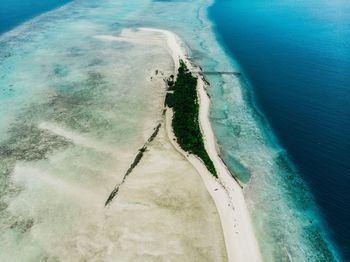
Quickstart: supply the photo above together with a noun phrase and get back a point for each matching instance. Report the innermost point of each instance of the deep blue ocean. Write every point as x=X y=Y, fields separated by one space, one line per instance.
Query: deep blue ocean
x=296 y=55
x=15 y=12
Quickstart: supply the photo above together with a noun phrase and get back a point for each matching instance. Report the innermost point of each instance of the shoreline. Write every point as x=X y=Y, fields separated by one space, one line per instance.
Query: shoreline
x=240 y=240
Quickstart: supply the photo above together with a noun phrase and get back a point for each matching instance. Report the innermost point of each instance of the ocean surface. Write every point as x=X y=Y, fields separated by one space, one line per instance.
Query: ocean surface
x=14 y=12
x=282 y=125
x=296 y=56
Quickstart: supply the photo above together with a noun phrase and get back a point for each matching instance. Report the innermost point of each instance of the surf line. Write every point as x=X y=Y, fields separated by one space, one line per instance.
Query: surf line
x=137 y=159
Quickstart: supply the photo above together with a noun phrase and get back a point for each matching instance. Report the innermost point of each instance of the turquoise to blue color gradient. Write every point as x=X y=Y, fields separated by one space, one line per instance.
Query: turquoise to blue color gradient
x=296 y=55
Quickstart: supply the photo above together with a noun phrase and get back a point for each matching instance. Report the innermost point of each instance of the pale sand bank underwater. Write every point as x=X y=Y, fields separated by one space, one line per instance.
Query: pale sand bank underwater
x=163 y=212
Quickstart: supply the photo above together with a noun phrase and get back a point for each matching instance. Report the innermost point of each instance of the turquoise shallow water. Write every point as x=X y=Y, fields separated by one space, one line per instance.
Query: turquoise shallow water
x=53 y=69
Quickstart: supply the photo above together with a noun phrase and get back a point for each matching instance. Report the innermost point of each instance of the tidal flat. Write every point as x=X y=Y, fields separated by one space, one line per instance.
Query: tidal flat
x=77 y=119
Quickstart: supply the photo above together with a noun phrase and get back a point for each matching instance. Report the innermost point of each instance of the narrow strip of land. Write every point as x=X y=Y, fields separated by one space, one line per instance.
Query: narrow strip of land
x=137 y=159
x=240 y=240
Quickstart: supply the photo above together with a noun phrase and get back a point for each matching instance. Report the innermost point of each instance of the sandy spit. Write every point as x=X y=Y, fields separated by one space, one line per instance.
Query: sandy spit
x=240 y=240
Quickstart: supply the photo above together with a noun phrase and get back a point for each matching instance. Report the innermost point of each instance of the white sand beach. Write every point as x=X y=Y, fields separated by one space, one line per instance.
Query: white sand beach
x=241 y=244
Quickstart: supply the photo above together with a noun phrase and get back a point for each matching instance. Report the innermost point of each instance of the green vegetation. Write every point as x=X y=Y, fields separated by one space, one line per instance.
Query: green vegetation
x=184 y=101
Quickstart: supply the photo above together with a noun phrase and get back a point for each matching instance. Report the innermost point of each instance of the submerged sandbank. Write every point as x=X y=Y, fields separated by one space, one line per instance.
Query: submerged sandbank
x=82 y=138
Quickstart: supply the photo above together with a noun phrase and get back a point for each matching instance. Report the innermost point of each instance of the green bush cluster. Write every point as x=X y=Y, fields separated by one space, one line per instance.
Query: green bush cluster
x=184 y=101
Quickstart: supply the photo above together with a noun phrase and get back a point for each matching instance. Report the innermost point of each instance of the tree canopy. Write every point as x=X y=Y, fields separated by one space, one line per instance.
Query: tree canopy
x=184 y=102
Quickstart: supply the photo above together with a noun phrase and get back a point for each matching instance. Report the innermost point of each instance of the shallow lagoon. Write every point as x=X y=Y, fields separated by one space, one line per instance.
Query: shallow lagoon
x=65 y=86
